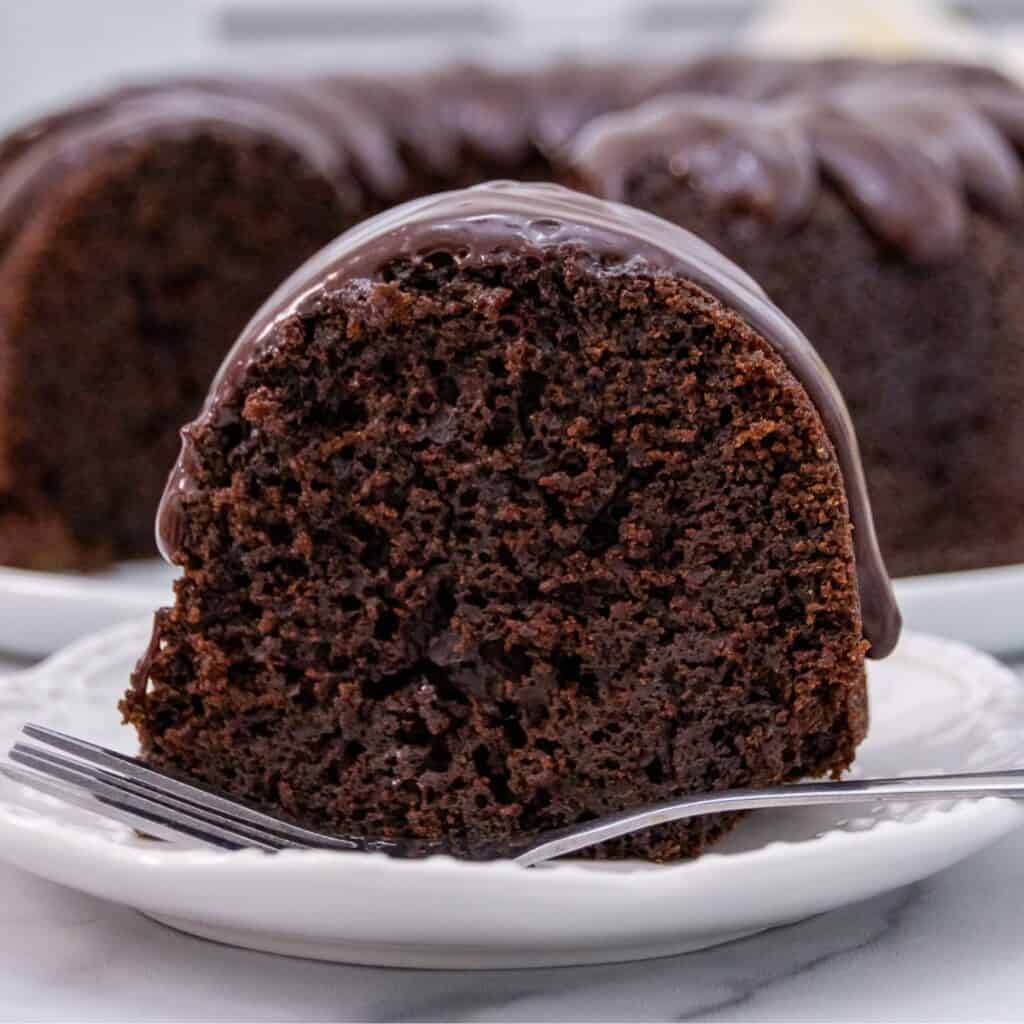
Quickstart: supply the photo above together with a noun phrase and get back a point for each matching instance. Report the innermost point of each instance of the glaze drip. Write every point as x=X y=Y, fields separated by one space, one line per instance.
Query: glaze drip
x=472 y=224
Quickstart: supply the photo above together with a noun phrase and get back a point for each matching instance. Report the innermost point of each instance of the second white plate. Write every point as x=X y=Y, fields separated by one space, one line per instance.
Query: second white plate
x=41 y=612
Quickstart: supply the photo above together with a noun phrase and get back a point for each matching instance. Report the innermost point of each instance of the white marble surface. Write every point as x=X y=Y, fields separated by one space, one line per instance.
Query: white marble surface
x=951 y=948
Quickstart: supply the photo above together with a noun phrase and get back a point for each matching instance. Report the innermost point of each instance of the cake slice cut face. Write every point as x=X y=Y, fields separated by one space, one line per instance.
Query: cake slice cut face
x=514 y=508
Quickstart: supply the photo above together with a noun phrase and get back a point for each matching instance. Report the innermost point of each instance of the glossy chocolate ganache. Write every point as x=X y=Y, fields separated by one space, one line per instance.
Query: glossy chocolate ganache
x=909 y=147
x=475 y=223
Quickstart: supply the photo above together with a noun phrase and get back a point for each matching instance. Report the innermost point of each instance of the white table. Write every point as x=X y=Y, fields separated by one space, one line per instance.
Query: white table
x=951 y=948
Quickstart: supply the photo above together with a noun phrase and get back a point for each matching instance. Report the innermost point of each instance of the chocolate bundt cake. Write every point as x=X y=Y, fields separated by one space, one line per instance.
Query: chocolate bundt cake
x=879 y=204
x=882 y=208
x=514 y=507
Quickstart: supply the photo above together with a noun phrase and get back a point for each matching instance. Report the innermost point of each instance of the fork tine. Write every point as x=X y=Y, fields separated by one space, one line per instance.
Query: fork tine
x=125 y=766
x=78 y=797
x=167 y=826
x=80 y=772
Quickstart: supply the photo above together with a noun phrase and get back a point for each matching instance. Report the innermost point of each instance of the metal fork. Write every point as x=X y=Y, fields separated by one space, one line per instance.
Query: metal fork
x=123 y=788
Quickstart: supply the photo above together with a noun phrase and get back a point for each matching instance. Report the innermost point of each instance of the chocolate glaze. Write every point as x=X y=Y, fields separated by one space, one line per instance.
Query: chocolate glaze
x=403 y=109
x=475 y=223
x=359 y=144
x=140 y=116
x=564 y=97
x=443 y=121
x=909 y=146
x=440 y=118
x=360 y=133
x=740 y=155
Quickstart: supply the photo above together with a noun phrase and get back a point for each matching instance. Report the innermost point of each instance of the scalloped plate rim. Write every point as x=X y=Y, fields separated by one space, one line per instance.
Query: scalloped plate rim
x=34 y=836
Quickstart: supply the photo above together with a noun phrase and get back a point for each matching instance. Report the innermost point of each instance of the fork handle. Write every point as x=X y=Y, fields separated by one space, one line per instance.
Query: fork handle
x=913 y=788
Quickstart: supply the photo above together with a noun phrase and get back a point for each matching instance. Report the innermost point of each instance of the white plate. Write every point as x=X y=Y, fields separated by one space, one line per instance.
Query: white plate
x=42 y=612
x=936 y=706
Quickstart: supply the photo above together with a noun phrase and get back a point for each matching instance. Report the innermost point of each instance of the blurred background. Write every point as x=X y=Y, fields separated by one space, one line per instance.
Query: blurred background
x=57 y=52
x=51 y=51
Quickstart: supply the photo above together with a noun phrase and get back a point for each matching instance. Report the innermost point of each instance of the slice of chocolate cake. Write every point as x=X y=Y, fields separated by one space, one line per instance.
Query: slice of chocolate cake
x=512 y=508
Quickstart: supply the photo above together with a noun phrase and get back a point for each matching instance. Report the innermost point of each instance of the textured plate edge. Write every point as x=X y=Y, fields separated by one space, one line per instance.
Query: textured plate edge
x=444 y=958
x=479 y=948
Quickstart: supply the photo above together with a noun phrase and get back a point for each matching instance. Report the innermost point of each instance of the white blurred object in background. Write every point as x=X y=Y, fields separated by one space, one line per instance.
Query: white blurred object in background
x=887 y=29
x=54 y=51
